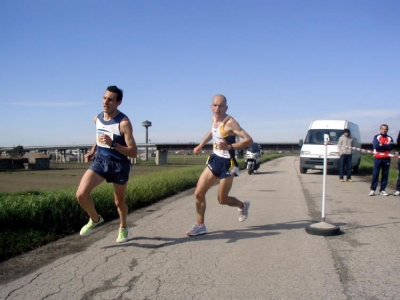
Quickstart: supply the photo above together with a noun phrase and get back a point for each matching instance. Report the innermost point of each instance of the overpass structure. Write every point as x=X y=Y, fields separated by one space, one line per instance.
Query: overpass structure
x=161 y=149
x=61 y=151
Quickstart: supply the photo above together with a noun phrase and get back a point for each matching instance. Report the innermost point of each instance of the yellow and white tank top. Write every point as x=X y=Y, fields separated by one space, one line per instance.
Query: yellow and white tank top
x=218 y=135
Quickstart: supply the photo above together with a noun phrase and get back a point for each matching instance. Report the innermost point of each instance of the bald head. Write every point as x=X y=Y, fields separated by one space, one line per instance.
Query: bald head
x=220 y=98
x=218 y=106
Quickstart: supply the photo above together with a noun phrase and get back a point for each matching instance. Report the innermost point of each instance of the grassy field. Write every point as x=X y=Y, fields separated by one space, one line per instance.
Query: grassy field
x=63 y=175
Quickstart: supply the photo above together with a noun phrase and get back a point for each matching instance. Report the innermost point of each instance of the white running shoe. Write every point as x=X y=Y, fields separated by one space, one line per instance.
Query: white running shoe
x=383 y=193
x=396 y=193
x=371 y=193
x=244 y=212
x=197 y=230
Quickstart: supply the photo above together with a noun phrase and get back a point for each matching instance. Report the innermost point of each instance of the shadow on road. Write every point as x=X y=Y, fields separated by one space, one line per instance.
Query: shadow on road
x=231 y=236
x=271 y=172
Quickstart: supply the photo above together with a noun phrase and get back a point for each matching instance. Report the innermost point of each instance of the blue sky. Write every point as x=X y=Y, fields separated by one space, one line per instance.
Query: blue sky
x=281 y=64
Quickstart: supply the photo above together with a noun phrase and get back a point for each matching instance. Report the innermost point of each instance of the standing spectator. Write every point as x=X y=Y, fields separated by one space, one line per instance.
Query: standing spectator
x=344 y=145
x=397 y=192
x=382 y=145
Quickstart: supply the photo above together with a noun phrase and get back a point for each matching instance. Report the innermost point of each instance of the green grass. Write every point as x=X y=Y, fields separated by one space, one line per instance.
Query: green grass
x=367 y=164
x=31 y=219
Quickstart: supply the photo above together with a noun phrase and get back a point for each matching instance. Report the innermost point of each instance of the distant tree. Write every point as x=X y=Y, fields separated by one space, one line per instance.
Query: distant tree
x=15 y=153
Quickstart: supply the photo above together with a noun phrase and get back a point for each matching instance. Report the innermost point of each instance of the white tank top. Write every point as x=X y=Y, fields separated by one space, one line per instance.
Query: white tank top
x=218 y=135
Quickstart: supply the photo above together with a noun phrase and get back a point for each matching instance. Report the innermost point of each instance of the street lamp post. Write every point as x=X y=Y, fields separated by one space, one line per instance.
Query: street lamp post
x=147 y=124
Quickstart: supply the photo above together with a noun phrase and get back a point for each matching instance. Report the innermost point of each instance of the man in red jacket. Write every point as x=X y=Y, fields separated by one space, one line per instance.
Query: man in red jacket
x=382 y=144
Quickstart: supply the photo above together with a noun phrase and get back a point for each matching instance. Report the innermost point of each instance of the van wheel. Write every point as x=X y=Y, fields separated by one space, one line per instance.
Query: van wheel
x=303 y=170
x=356 y=168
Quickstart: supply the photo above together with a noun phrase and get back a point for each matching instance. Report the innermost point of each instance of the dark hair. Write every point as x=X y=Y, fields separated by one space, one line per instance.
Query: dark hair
x=118 y=91
x=346 y=130
x=384 y=125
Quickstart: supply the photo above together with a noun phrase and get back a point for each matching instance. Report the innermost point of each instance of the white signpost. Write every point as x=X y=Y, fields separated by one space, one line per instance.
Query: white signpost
x=323 y=228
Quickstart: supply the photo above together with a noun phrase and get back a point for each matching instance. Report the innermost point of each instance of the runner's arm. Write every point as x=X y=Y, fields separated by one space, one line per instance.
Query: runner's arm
x=234 y=127
x=205 y=140
x=130 y=149
x=89 y=156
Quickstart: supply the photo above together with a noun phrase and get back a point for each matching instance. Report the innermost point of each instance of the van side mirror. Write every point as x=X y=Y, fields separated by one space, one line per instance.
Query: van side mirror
x=301 y=142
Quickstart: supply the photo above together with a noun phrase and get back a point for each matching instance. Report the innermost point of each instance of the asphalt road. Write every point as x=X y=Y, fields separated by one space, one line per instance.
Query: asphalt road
x=269 y=256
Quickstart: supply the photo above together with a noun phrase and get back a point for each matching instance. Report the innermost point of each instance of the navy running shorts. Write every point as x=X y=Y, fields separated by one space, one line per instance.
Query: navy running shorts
x=222 y=167
x=111 y=170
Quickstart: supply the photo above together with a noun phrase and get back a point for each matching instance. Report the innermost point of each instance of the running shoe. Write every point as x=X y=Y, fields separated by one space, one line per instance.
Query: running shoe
x=371 y=193
x=197 y=230
x=341 y=180
x=87 y=229
x=349 y=180
x=244 y=212
x=123 y=235
x=383 y=193
x=396 y=193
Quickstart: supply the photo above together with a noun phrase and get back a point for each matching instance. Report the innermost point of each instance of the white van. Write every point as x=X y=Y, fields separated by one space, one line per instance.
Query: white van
x=313 y=150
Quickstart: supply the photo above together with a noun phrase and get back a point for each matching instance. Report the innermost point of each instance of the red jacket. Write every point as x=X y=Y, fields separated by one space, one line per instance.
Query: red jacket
x=382 y=145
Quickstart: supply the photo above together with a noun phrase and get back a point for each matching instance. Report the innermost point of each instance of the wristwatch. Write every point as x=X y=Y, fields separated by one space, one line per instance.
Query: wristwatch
x=113 y=144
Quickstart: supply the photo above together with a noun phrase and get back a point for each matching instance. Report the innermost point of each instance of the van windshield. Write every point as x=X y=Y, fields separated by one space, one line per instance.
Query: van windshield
x=316 y=136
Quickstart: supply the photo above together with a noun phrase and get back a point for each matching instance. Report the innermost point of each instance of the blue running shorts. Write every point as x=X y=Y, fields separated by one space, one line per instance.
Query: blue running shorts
x=222 y=167
x=111 y=170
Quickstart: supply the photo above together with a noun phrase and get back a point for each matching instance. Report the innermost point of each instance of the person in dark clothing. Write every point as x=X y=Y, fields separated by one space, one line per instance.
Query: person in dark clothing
x=397 y=192
x=382 y=145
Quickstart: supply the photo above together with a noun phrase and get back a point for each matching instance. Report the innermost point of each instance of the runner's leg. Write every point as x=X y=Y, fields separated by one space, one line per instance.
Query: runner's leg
x=88 y=182
x=122 y=207
x=225 y=185
x=205 y=182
